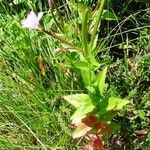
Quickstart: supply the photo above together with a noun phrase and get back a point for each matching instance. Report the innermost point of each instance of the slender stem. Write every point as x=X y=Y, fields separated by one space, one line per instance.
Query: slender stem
x=53 y=35
x=98 y=20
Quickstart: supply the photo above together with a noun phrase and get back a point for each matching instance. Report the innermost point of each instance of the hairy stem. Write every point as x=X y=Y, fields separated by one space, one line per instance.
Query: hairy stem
x=53 y=35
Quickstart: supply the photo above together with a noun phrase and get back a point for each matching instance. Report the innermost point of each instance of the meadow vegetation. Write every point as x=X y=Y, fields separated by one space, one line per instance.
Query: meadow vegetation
x=41 y=72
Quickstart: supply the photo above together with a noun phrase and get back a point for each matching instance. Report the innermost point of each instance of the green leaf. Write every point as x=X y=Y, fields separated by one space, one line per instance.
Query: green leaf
x=121 y=103
x=92 y=64
x=142 y=114
x=83 y=65
x=111 y=104
x=77 y=99
x=80 y=7
x=88 y=77
x=115 y=103
x=107 y=15
x=95 y=65
x=114 y=126
x=102 y=105
x=101 y=79
x=95 y=42
x=108 y=116
x=91 y=89
x=85 y=32
x=83 y=110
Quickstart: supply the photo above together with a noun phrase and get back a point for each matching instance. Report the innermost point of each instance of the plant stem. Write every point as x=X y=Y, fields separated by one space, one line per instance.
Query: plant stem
x=98 y=20
x=53 y=35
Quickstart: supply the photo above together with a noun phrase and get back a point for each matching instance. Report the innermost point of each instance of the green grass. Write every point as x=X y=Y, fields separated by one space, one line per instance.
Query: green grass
x=33 y=112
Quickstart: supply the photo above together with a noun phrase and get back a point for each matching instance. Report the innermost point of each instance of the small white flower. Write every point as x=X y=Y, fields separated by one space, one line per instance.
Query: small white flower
x=32 y=20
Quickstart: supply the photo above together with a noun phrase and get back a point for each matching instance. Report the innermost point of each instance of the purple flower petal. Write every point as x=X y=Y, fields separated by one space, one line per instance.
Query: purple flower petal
x=32 y=20
x=40 y=14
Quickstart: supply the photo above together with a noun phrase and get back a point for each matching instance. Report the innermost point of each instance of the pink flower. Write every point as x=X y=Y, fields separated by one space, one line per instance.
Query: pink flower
x=32 y=20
